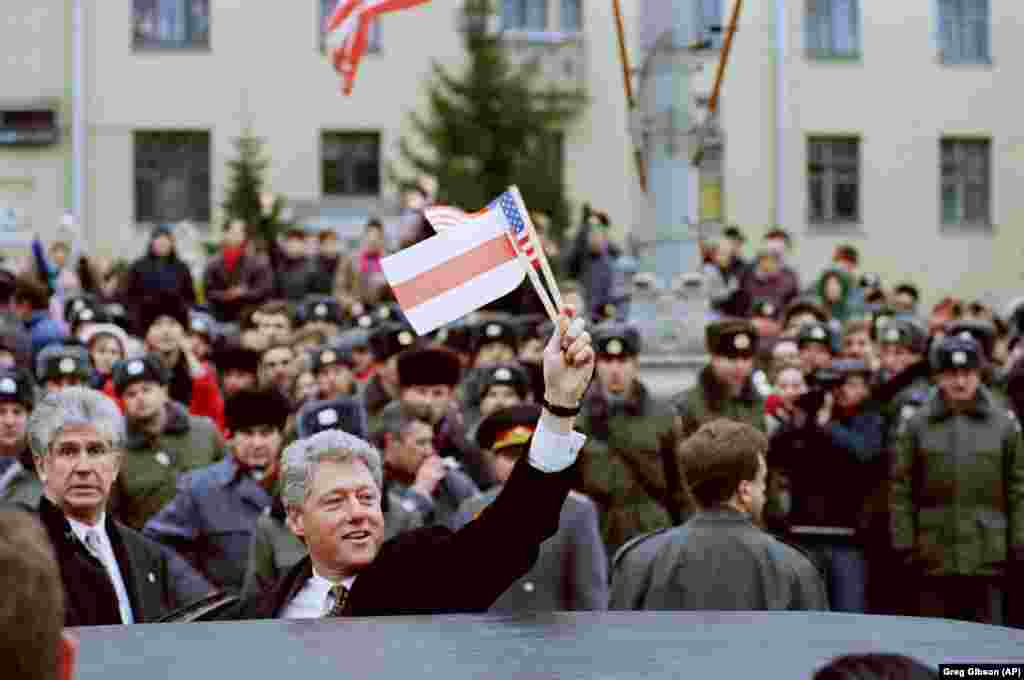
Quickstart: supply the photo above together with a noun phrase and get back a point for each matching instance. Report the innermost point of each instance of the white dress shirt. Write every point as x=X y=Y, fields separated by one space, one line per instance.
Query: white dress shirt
x=550 y=451
x=315 y=599
x=109 y=560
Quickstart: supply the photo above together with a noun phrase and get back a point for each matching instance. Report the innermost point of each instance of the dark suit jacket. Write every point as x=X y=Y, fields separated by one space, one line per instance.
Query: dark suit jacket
x=90 y=599
x=437 y=571
x=717 y=560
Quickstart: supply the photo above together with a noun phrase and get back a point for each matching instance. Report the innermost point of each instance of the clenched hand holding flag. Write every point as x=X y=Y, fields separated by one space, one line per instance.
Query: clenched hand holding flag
x=348 y=32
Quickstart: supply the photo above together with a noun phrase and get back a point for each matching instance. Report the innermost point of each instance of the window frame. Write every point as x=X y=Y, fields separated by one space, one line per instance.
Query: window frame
x=815 y=21
x=961 y=32
x=374 y=43
x=325 y=135
x=190 y=44
x=199 y=211
x=831 y=178
x=961 y=181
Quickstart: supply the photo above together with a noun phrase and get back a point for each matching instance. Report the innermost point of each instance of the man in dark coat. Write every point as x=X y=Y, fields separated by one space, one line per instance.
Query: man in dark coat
x=294 y=272
x=571 y=573
x=212 y=517
x=160 y=270
x=719 y=559
x=19 y=482
x=332 y=494
x=238 y=277
x=724 y=387
x=591 y=260
x=957 y=493
x=111 y=574
x=162 y=441
x=631 y=438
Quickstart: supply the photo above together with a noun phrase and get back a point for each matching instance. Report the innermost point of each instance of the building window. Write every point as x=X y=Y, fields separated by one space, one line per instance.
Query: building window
x=966 y=186
x=171 y=23
x=709 y=23
x=374 y=40
x=833 y=179
x=572 y=16
x=525 y=15
x=172 y=176
x=351 y=163
x=964 y=31
x=833 y=29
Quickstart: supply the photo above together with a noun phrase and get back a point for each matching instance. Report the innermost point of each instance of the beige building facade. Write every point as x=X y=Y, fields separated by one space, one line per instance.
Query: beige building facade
x=169 y=85
x=899 y=134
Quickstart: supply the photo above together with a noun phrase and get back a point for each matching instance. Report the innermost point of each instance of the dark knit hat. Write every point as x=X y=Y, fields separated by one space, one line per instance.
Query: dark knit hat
x=142 y=368
x=982 y=332
x=322 y=308
x=512 y=375
x=815 y=332
x=61 y=361
x=322 y=357
x=953 y=352
x=904 y=332
x=513 y=426
x=257 y=408
x=16 y=385
x=615 y=340
x=731 y=338
x=497 y=330
x=346 y=414
x=435 y=366
x=391 y=338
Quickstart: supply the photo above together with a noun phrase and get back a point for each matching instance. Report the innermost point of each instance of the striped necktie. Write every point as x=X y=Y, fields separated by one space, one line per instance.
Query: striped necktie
x=340 y=594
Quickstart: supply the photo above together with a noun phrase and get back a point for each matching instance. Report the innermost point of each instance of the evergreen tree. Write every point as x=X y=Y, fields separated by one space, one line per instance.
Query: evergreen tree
x=246 y=188
x=494 y=125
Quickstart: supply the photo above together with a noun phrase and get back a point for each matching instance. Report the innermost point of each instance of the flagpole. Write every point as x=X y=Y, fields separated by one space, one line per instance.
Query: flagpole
x=534 y=279
x=627 y=82
x=538 y=248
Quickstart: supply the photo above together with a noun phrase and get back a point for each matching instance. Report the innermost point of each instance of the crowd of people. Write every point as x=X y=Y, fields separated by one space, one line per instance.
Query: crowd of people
x=842 y=449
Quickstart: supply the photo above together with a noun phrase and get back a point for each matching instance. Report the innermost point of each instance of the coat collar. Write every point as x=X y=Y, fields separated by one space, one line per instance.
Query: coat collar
x=722 y=514
x=177 y=424
x=982 y=406
x=716 y=392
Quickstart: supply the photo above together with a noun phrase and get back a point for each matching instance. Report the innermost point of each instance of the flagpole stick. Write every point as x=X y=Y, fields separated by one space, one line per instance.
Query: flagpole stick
x=545 y=266
x=535 y=280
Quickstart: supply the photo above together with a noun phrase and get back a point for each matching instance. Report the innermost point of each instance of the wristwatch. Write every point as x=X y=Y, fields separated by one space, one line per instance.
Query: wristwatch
x=560 y=411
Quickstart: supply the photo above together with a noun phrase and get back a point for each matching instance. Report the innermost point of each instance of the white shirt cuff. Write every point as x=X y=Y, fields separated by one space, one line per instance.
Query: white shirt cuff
x=554 y=451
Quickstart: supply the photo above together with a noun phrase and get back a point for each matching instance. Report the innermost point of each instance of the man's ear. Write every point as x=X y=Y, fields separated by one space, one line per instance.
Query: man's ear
x=67 y=656
x=295 y=522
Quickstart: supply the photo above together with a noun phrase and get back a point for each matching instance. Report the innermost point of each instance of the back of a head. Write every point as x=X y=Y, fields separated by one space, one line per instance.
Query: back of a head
x=875 y=667
x=718 y=456
x=32 y=607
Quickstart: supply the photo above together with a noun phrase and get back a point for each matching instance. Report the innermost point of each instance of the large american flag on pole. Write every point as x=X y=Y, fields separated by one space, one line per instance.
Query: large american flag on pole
x=348 y=30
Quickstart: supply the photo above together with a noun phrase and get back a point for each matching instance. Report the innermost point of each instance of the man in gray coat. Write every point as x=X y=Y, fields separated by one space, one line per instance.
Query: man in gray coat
x=571 y=572
x=212 y=517
x=719 y=559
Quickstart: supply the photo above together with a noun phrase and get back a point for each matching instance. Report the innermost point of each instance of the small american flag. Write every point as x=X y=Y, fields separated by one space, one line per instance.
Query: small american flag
x=444 y=216
x=518 y=222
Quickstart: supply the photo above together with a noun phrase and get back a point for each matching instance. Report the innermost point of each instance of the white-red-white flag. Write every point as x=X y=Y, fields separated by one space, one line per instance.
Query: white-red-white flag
x=443 y=217
x=455 y=272
x=348 y=29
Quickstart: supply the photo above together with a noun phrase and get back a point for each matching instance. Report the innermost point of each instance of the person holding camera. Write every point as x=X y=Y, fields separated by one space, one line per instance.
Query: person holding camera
x=834 y=433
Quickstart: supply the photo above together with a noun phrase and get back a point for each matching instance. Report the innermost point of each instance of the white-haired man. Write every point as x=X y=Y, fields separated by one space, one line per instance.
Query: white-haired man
x=332 y=494
x=111 y=574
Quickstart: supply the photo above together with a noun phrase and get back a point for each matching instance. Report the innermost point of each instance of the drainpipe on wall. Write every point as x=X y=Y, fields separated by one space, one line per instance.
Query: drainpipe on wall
x=78 y=115
x=780 y=110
